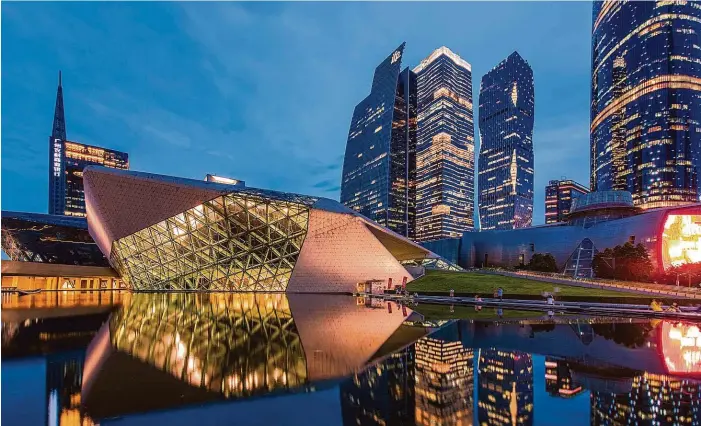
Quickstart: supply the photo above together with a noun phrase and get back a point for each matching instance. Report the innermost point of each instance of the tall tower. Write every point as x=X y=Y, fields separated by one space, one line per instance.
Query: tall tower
x=379 y=163
x=506 y=110
x=646 y=100
x=57 y=183
x=67 y=160
x=445 y=158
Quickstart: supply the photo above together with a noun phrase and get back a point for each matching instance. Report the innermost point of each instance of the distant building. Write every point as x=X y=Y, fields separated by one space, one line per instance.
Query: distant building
x=36 y=237
x=379 y=164
x=445 y=158
x=646 y=100
x=223 y=179
x=558 y=198
x=596 y=221
x=67 y=159
x=506 y=109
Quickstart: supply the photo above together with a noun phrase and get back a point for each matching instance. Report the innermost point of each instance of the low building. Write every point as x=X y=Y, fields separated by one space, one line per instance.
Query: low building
x=559 y=195
x=596 y=221
x=167 y=233
x=46 y=238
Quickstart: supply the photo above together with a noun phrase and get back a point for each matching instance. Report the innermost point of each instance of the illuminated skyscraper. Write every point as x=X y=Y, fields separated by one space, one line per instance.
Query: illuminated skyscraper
x=506 y=108
x=379 y=164
x=558 y=198
x=558 y=379
x=646 y=100
x=67 y=160
x=505 y=388
x=445 y=158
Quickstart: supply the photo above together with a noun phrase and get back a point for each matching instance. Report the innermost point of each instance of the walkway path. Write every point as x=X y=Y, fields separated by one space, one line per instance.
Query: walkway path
x=627 y=286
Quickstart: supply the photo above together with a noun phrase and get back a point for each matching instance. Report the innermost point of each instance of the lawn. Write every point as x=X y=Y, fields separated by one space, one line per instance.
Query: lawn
x=484 y=284
x=441 y=312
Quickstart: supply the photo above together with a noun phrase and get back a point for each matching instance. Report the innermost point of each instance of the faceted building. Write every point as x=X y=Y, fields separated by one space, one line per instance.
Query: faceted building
x=67 y=160
x=379 y=163
x=167 y=233
x=558 y=198
x=445 y=147
x=505 y=182
x=646 y=100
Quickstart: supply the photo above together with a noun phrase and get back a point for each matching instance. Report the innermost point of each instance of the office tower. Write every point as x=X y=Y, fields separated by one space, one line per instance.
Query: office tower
x=646 y=100
x=558 y=198
x=378 y=168
x=67 y=159
x=505 y=388
x=506 y=108
x=445 y=148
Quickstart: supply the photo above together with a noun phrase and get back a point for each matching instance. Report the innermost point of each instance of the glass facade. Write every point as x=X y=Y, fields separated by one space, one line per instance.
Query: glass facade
x=646 y=100
x=445 y=159
x=506 y=110
x=66 y=163
x=558 y=199
x=378 y=169
x=239 y=241
x=35 y=237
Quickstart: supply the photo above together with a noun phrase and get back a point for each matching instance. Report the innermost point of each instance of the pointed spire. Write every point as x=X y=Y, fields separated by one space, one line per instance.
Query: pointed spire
x=59 y=128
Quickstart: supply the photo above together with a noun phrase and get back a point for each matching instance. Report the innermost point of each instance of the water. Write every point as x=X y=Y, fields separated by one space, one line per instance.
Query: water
x=220 y=359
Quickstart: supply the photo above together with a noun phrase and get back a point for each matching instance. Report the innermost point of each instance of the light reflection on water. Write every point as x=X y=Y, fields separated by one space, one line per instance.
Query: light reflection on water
x=201 y=358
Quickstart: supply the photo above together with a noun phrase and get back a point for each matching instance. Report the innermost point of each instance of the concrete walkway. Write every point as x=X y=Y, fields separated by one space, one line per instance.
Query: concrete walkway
x=624 y=286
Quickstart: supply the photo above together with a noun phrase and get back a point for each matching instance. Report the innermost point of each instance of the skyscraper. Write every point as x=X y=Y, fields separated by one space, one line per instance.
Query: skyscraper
x=558 y=198
x=646 y=100
x=67 y=160
x=378 y=168
x=506 y=109
x=445 y=151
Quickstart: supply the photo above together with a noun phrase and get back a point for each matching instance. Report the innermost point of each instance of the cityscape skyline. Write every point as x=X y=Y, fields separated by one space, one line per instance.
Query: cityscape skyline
x=322 y=173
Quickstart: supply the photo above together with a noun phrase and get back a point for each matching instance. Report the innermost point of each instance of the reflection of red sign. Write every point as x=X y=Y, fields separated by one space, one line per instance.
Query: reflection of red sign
x=389 y=307
x=681 y=347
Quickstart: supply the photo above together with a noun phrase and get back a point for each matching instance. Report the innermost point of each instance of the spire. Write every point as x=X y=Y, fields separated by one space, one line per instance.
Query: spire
x=59 y=128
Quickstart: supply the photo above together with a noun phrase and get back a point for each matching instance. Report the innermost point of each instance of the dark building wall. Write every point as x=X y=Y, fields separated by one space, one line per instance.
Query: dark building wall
x=646 y=100
x=506 y=111
x=376 y=168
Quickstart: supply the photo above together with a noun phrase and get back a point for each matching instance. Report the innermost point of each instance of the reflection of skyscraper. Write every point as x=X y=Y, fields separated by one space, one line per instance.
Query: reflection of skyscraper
x=506 y=108
x=444 y=378
x=379 y=163
x=381 y=395
x=66 y=163
x=505 y=389
x=558 y=379
x=654 y=400
x=64 y=377
x=445 y=159
x=645 y=103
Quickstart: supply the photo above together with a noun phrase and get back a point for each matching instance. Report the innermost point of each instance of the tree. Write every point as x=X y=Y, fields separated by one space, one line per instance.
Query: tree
x=689 y=274
x=623 y=262
x=542 y=263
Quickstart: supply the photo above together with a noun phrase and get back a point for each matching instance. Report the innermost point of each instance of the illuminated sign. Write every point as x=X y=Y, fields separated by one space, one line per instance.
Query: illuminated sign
x=58 y=146
x=681 y=240
x=396 y=55
x=681 y=347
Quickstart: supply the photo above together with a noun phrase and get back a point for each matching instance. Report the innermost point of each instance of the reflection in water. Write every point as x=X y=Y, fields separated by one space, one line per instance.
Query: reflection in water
x=228 y=343
x=654 y=399
x=505 y=387
x=168 y=354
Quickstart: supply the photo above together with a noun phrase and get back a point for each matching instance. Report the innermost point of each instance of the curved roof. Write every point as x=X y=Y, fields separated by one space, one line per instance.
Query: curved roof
x=602 y=199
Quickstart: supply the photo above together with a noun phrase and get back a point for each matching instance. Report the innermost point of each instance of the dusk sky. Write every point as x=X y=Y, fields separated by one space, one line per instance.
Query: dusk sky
x=263 y=92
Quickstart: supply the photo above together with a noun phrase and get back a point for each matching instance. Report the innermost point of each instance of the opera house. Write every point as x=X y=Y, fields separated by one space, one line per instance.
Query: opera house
x=597 y=221
x=164 y=233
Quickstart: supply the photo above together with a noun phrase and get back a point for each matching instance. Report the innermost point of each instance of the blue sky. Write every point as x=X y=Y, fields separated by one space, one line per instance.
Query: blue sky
x=263 y=91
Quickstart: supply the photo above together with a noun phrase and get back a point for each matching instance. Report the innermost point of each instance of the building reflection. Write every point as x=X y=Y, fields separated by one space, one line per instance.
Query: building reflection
x=558 y=379
x=654 y=399
x=505 y=388
x=193 y=348
x=63 y=382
